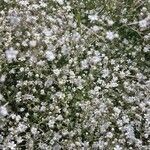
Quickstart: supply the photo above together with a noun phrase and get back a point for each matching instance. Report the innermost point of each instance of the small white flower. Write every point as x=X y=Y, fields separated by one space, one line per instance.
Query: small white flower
x=43 y=108
x=61 y=2
x=49 y=55
x=47 y=32
x=14 y=19
x=111 y=35
x=48 y=83
x=23 y=2
x=11 y=54
x=105 y=73
x=59 y=117
x=64 y=50
x=11 y=145
x=3 y=111
x=43 y=4
x=1 y=96
x=129 y=132
x=33 y=130
x=56 y=147
x=110 y=22
x=21 y=127
x=21 y=69
x=56 y=72
x=41 y=63
x=122 y=74
x=3 y=78
x=84 y=64
x=19 y=140
x=117 y=147
x=60 y=95
x=42 y=92
x=32 y=43
x=51 y=123
x=6 y=1
x=143 y=23
x=124 y=20
x=109 y=135
x=96 y=59
x=113 y=84
x=93 y=17
x=146 y=49
x=95 y=28
x=117 y=110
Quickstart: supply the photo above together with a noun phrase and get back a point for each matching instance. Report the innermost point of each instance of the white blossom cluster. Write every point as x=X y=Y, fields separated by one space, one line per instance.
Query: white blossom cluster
x=74 y=75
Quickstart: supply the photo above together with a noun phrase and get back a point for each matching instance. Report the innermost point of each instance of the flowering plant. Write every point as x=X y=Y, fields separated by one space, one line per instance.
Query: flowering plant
x=74 y=75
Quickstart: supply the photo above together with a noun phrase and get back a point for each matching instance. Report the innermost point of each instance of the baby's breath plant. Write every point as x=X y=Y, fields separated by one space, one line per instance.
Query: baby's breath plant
x=74 y=75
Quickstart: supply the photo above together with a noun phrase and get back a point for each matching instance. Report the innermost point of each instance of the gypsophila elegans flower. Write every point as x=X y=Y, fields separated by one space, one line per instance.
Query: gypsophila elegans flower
x=74 y=75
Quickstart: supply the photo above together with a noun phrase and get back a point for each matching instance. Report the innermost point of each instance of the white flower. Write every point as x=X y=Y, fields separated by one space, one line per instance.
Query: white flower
x=122 y=74
x=3 y=111
x=3 y=78
x=33 y=130
x=24 y=43
x=146 y=49
x=43 y=108
x=61 y=2
x=23 y=2
x=113 y=84
x=60 y=95
x=84 y=64
x=32 y=43
x=96 y=59
x=56 y=147
x=124 y=20
x=95 y=28
x=56 y=72
x=93 y=17
x=21 y=69
x=110 y=22
x=143 y=23
x=21 y=127
x=111 y=35
x=14 y=19
x=48 y=83
x=117 y=110
x=51 y=123
x=1 y=96
x=11 y=54
x=50 y=55
x=6 y=1
x=109 y=135
x=42 y=92
x=41 y=63
x=129 y=132
x=47 y=32
x=105 y=73
x=11 y=145
x=59 y=117
x=64 y=50
x=117 y=147
x=19 y=140
x=43 y=4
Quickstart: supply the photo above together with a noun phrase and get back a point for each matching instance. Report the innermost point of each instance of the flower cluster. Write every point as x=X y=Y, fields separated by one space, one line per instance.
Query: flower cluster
x=74 y=75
